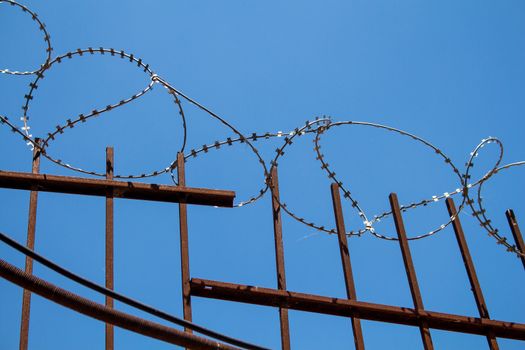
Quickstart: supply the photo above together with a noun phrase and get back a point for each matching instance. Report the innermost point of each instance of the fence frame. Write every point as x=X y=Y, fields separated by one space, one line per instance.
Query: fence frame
x=280 y=298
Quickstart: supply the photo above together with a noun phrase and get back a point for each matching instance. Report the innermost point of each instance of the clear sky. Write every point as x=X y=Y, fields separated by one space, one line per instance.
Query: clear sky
x=450 y=72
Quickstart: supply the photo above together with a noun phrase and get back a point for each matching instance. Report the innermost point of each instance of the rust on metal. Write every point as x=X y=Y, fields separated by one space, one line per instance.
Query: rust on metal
x=120 y=189
x=348 y=308
x=410 y=270
x=471 y=271
x=280 y=298
x=103 y=313
x=516 y=232
x=184 y=248
x=279 y=257
x=31 y=230
x=345 y=260
x=109 y=245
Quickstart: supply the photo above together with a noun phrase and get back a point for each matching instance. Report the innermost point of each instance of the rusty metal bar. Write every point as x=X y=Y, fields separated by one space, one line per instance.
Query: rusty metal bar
x=184 y=248
x=126 y=300
x=104 y=314
x=516 y=232
x=31 y=229
x=109 y=245
x=279 y=257
x=410 y=271
x=471 y=271
x=120 y=189
x=348 y=308
x=345 y=260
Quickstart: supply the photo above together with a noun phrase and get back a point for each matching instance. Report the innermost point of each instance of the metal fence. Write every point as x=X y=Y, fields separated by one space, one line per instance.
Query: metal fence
x=280 y=298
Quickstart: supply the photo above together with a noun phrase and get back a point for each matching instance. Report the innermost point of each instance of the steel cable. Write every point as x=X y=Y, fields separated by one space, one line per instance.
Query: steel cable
x=122 y=298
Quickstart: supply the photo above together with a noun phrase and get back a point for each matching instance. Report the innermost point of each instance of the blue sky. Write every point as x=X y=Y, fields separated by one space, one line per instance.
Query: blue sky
x=450 y=72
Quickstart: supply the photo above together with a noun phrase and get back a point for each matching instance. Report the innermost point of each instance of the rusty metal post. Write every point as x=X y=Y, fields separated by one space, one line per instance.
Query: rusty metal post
x=345 y=260
x=410 y=271
x=31 y=229
x=109 y=245
x=184 y=249
x=516 y=232
x=471 y=271
x=279 y=257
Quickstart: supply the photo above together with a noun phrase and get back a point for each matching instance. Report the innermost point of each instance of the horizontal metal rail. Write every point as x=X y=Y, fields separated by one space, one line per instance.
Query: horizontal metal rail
x=349 y=308
x=119 y=189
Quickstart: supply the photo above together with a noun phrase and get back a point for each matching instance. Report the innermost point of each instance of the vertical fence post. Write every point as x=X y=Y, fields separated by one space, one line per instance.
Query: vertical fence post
x=471 y=271
x=279 y=257
x=184 y=249
x=31 y=229
x=345 y=260
x=516 y=232
x=410 y=271
x=109 y=244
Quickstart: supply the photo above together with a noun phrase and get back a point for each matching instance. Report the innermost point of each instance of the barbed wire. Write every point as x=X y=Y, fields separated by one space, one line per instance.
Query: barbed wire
x=82 y=118
x=368 y=224
x=42 y=28
x=317 y=128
